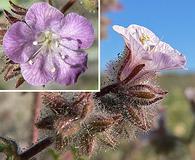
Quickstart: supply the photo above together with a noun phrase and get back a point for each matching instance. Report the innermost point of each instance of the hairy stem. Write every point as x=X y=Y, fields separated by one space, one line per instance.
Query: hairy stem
x=112 y=87
x=35 y=149
x=106 y=90
x=68 y=5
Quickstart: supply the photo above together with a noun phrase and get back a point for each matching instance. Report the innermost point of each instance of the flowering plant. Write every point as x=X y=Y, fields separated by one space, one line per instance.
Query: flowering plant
x=126 y=104
x=44 y=45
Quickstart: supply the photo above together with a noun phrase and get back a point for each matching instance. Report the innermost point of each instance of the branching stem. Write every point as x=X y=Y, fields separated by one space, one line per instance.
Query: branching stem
x=35 y=149
x=50 y=2
x=67 y=5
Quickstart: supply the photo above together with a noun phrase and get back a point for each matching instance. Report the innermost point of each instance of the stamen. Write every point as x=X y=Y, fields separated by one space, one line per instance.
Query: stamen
x=30 y=62
x=64 y=56
x=47 y=33
x=35 y=43
x=56 y=44
x=76 y=50
x=66 y=61
x=35 y=54
x=155 y=46
x=136 y=33
x=144 y=38
x=53 y=69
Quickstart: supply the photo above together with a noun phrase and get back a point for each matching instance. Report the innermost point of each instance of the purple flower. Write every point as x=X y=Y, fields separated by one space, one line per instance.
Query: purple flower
x=148 y=49
x=48 y=45
x=130 y=86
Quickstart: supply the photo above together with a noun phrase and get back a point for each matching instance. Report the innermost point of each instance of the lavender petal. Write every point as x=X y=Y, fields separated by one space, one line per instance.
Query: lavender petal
x=78 y=28
x=17 y=43
x=36 y=74
x=69 y=69
x=41 y=16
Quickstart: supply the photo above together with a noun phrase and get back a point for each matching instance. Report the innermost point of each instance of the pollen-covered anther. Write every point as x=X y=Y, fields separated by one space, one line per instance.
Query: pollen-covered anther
x=53 y=70
x=30 y=62
x=35 y=43
x=144 y=38
x=63 y=57
x=146 y=41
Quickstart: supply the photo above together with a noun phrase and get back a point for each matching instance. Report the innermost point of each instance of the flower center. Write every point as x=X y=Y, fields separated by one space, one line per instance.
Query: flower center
x=50 y=43
x=144 y=38
x=147 y=42
x=47 y=40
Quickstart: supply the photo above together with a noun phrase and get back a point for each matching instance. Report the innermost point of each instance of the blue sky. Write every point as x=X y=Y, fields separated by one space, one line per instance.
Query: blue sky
x=171 y=20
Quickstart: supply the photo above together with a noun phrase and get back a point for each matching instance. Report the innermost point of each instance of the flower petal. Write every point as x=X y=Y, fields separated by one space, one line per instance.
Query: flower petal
x=36 y=74
x=78 y=28
x=165 y=57
x=41 y=16
x=70 y=43
x=17 y=43
x=137 y=51
x=70 y=66
x=160 y=57
x=121 y=30
x=139 y=31
x=75 y=58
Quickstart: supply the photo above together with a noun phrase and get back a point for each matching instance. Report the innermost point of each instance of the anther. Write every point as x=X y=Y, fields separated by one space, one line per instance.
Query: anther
x=53 y=70
x=30 y=62
x=65 y=56
x=35 y=43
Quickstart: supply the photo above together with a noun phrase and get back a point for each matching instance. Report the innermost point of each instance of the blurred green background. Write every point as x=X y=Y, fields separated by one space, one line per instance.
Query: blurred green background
x=88 y=80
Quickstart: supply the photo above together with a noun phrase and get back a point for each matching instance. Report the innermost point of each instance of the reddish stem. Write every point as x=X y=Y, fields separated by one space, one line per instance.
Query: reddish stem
x=68 y=5
x=107 y=89
x=36 y=110
x=35 y=149
x=50 y=2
